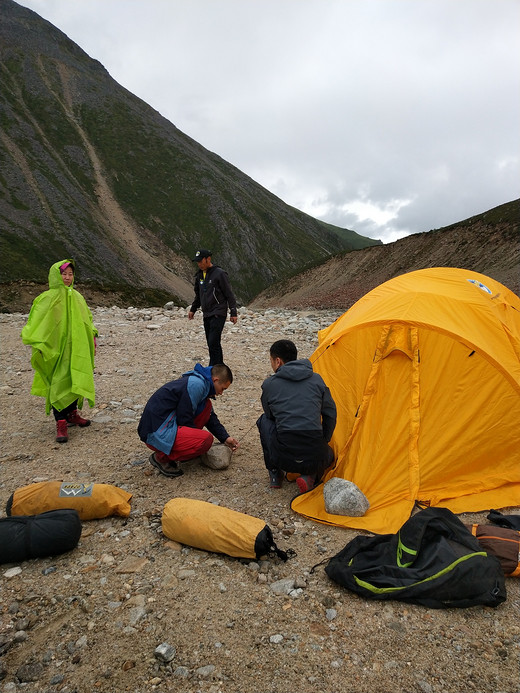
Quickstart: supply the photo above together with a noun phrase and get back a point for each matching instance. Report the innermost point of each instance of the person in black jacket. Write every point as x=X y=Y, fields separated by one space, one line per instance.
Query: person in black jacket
x=298 y=420
x=213 y=293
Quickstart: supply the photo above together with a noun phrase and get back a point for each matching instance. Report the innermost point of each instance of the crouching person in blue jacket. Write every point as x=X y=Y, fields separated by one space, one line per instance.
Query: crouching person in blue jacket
x=298 y=420
x=174 y=417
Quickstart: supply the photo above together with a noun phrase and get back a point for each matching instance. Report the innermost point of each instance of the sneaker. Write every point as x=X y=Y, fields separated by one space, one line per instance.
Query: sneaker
x=74 y=419
x=305 y=483
x=62 y=435
x=275 y=478
x=170 y=469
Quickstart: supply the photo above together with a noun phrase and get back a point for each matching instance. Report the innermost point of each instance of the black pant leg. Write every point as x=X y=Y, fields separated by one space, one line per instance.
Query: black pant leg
x=213 y=327
x=267 y=430
x=63 y=413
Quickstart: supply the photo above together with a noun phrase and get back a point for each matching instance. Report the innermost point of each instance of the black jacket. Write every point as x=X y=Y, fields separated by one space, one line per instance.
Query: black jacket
x=214 y=293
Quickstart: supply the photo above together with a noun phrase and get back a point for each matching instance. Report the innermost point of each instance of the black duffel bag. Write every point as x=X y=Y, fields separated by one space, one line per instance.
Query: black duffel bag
x=433 y=560
x=35 y=536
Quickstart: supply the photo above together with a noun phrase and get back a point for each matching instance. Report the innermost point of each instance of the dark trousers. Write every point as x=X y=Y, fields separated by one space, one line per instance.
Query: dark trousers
x=58 y=415
x=213 y=327
x=267 y=430
x=310 y=454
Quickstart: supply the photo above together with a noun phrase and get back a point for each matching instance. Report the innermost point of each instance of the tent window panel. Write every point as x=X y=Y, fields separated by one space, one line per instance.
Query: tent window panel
x=469 y=435
x=345 y=368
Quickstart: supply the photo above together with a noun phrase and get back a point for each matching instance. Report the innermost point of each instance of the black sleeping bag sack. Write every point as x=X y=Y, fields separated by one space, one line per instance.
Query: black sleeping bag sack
x=35 y=536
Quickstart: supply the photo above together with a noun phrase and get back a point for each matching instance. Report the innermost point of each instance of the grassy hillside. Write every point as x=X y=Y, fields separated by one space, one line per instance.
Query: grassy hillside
x=88 y=170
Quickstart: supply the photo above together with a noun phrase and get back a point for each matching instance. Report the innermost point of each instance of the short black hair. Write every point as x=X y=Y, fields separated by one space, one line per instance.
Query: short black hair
x=284 y=349
x=222 y=372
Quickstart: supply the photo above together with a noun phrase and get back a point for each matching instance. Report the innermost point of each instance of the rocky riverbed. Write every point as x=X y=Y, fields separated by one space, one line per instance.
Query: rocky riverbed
x=130 y=610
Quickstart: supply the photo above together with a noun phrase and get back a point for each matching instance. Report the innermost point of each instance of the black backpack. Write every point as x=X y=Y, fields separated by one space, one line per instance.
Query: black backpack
x=433 y=560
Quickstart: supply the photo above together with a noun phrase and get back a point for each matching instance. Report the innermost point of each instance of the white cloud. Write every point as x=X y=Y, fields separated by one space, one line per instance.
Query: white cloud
x=386 y=116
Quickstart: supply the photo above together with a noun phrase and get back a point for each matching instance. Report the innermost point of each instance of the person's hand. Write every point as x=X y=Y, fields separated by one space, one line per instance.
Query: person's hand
x=190 y=315
x=233 y=319
x=232 y=443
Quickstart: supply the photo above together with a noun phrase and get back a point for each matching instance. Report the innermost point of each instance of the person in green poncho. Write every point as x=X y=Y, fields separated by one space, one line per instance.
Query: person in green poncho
x=62 y=335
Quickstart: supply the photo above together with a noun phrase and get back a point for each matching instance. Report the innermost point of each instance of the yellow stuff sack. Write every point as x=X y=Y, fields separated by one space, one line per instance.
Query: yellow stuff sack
x=218 y=529
x=92 y=501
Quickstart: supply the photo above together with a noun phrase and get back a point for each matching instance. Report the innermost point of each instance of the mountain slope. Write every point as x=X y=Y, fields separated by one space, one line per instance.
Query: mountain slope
x=488 y=243
x=91 y=171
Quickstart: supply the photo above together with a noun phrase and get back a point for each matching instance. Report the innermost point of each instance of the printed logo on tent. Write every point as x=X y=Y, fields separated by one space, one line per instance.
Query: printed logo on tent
x=480 y=285
x=76 y=489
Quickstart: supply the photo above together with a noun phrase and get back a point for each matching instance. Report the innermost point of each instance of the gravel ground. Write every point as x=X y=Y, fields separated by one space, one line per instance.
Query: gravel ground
x=92 y=619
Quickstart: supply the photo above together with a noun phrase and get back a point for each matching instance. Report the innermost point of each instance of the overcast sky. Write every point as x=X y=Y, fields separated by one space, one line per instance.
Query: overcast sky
x=388 y=117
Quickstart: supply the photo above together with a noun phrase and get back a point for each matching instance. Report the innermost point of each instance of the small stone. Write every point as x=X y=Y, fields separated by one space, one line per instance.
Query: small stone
x=282 y=587
x=165 y=652
x=181 y=672
x=31 y=671
x=185 y=573
x=276 y=639
x=206 y=670
x=49 y=570
x=132 y=564
x=137 y=613
x=12 y=572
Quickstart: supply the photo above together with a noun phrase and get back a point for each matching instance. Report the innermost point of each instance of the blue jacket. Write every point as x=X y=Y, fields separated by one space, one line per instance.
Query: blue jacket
x=177 y=404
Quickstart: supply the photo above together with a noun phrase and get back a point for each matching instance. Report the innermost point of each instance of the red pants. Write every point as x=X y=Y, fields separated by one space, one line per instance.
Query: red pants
x=189 y=442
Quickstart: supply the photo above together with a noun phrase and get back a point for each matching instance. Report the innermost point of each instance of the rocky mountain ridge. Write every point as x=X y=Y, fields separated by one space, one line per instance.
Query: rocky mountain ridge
x=92 y=172
x=488 y=243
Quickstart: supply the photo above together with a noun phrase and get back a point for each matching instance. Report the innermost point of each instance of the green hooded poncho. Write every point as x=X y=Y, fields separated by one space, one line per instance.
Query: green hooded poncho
x=61 y=333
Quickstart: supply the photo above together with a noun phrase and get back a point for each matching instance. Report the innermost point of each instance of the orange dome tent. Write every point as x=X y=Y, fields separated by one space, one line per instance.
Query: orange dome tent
x=425 y=373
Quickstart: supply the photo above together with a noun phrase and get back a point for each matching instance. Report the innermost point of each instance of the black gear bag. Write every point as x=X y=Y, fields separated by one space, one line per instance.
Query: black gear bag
x=35 y=536
x=433 y=560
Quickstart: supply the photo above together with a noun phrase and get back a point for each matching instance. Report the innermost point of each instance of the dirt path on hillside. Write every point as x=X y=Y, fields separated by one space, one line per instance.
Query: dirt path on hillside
x=91 y=620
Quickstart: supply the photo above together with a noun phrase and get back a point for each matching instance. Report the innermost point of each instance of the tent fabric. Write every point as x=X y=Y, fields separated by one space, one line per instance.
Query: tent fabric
x=425 y=373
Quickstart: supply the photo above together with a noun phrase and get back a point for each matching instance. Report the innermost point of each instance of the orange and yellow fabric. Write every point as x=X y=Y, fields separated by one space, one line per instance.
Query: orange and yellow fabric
x=425 y=374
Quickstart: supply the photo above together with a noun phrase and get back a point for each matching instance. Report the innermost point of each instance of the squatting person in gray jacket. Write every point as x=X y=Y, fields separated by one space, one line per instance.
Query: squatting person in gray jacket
x=298 y=420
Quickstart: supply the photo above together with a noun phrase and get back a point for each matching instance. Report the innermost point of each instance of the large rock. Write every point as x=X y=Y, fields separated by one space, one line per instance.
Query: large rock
x=217 y=457
x=343 y=497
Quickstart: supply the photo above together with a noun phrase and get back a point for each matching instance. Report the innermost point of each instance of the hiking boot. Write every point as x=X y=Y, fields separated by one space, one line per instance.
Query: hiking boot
x=275 y=478
x=62 y=435
x=167 y=467
x=305 y=483
x=74 y=419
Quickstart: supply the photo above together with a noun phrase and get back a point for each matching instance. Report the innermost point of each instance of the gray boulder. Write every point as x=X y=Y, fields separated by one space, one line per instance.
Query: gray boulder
x=343 y=497
x=217 y=457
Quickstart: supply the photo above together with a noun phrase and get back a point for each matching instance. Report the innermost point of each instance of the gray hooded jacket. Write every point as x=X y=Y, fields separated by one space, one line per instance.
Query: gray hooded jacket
x=297 y=399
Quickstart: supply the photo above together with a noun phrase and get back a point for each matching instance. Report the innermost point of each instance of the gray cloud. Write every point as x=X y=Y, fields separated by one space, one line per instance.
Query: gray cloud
x=386 y=116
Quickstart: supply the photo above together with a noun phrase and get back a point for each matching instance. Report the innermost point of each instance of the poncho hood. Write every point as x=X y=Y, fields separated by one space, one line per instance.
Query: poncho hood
x=55 y=278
